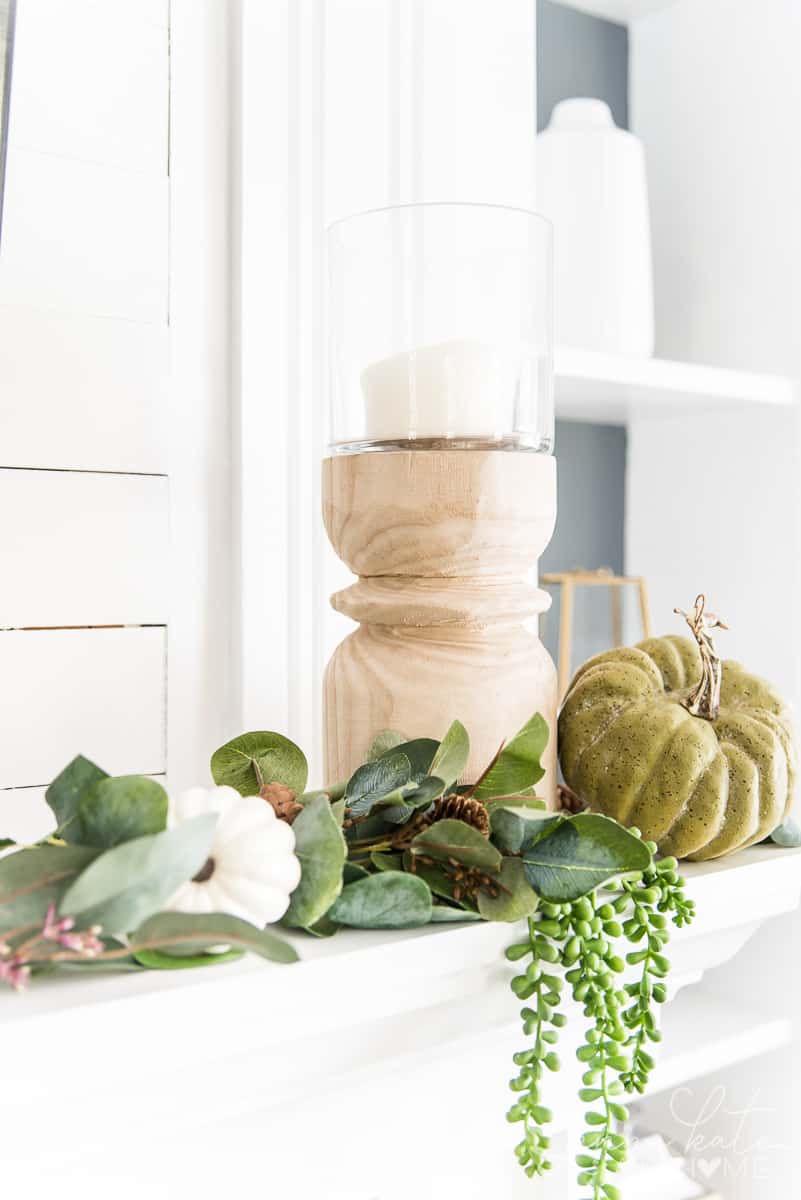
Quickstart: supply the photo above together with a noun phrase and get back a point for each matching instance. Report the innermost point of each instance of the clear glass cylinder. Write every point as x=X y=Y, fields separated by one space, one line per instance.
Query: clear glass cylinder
x=441 y=329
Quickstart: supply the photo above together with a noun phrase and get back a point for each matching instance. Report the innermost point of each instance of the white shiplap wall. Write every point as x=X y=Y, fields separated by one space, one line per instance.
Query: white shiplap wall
x=83 y=392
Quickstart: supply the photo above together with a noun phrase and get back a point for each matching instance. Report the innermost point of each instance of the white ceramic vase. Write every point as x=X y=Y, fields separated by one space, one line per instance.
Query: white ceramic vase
x=591 y=184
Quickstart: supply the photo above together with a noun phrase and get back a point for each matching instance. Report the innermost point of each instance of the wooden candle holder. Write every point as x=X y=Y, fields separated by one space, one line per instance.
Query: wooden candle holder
x=442 y=541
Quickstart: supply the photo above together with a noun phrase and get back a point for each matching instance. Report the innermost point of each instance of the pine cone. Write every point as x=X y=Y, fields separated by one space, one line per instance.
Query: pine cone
x=283 y=801
x=462 y=808
x=569 y=801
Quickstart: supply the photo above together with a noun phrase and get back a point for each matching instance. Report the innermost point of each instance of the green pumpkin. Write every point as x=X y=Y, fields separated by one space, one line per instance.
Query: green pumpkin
x=698 y=754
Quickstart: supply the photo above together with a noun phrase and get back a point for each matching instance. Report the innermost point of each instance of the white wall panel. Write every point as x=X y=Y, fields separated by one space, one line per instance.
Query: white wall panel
x=105 y=77
x=98 y=692
x=82 y=549
x=82 y=392
x=83 y=238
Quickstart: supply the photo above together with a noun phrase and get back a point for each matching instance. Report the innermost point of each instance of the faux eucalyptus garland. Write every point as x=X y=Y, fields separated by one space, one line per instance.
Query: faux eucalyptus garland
x=401 y=843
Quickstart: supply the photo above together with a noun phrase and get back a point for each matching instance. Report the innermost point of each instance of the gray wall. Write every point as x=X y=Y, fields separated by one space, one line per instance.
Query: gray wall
x=580 y=55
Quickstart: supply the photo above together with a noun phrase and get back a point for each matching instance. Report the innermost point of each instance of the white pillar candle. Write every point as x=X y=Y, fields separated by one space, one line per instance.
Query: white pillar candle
x=456 y=389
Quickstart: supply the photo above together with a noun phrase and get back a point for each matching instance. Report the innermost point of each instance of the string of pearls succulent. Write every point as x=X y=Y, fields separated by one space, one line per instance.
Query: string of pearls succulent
x=574 y=944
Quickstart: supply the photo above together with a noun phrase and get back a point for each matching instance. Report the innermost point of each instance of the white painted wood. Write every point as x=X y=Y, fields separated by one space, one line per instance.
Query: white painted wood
x=622 y=12
x=83 y=549
x=724 y=178
x=613 y=389
x=435 y=1019
x=90 y=82
x=84 y=238
x=265 y=516
x=204 y=690
x=98 y=692
x=87 y=392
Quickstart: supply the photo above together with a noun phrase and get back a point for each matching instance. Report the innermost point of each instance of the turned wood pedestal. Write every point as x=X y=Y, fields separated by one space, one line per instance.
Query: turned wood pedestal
x=442 y=542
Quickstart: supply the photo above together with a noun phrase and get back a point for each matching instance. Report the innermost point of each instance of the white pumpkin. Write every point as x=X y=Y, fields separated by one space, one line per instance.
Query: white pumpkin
x=251 y=870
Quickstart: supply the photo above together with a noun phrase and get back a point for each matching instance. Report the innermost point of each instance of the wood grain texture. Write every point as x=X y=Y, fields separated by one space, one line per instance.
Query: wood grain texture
x=441 y=541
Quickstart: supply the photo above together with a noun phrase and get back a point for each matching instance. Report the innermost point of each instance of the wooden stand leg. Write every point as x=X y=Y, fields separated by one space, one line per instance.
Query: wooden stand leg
x=441 y=541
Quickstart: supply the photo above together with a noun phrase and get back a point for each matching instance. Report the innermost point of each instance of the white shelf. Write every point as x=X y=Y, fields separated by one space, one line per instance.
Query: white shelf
x=622 y=12
x=609 y=389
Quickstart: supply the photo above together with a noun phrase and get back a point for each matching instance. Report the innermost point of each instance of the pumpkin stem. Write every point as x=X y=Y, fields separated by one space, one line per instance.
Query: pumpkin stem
x=704 y=699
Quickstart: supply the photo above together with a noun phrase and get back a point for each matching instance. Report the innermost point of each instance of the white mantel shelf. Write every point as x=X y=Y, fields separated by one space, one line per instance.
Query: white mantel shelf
x=613 y=388
x=361 y=1011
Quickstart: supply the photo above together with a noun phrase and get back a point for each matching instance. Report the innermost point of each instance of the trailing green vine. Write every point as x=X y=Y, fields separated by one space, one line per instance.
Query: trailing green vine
x=578 y=939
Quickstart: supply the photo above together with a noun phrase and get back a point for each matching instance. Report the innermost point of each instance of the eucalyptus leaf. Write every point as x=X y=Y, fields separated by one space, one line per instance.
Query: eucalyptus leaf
x=445 y=914
x=420 y=753
x=523 y=800
x=382 y=861
x=66 y=791
x=352 y=871
x=387 y=739
x=389 y=900
x=459 y=841
x=509 y=829
x=189 y=933
x=119 y=809
x=400 y=806
x=515 y=900
x=451 y=756
x=160 y=960
x=517 y=767
x=31 y=880
x=262 y=757
x=577 y=854
x=324 y=928
x=321 y=848
x=376 y=781
x=130 y=882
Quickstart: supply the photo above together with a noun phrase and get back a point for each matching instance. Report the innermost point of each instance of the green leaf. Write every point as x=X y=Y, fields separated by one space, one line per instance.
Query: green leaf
x=787 y=835
x=30 y=880
x=413 y=797
x=459 y=841
x=160 y=960
x=389 y=900
x=117 y=810
x=517 y=767
x=578 y=854
x=445 y=914
x=509 y=829
x=130 y=882
x=420 y=753
x=376 y=781
x=523 y=800
x=353 y=871
x=66 y=791
x=451 y=756
x=387 y=739
x=324 y=928
x=188 y=933
x=386 y=862
x=320 y=846
x=255 y=758
x=515 y=899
